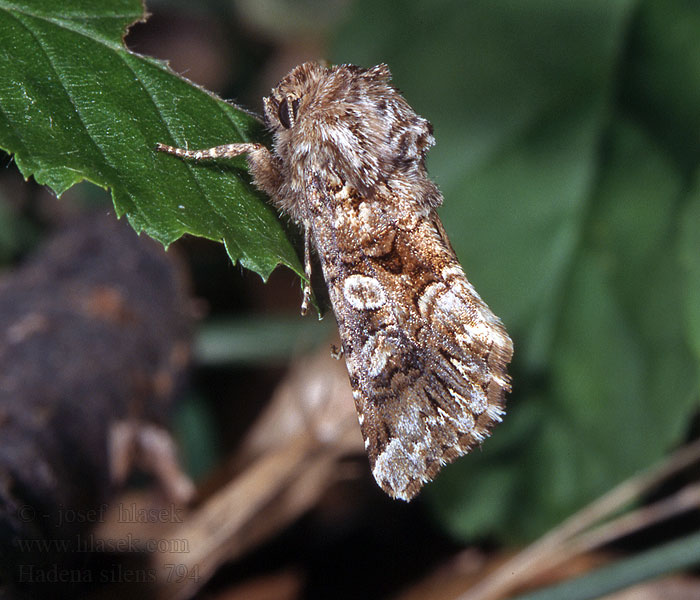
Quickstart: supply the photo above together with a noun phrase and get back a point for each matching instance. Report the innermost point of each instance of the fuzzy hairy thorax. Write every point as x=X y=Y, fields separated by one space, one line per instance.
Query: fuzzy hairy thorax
x=351 y=124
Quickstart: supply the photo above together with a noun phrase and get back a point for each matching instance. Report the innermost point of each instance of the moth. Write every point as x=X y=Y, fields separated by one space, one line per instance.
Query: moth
x=426 y=356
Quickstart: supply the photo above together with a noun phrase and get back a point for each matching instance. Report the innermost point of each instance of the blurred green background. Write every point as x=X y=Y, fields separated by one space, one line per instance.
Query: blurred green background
x=568 y=138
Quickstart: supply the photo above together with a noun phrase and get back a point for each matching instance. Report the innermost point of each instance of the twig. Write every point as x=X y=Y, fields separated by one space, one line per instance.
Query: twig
x=543 y=554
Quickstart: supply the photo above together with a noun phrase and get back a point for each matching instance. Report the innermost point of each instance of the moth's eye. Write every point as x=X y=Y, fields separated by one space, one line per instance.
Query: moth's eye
x=287 y=115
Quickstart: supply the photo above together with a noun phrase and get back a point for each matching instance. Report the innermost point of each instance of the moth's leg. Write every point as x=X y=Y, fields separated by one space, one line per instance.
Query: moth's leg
x=263 y=166
x=225 y=151
x=307 y=270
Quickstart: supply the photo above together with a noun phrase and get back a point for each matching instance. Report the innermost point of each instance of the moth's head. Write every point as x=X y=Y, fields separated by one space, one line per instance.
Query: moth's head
x=348 y=118
x=312 y=88
x=283 y=104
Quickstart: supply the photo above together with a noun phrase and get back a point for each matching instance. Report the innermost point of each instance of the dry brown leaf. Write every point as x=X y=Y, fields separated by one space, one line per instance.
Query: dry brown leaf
x=284 y=465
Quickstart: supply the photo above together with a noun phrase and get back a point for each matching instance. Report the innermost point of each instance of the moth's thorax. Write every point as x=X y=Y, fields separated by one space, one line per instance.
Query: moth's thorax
x=348 y=123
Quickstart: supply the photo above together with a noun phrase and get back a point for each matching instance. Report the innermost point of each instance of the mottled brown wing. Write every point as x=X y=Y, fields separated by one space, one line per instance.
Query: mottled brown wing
x=426 y=356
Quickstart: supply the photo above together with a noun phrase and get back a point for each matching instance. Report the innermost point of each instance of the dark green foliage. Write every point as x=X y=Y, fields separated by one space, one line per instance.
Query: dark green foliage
x=567 y=149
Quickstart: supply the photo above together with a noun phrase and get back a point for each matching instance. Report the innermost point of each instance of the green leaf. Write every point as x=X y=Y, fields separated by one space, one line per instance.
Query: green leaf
x=76 y=104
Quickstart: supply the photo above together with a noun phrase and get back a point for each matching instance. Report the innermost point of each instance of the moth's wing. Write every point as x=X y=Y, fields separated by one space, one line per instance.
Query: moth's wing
x=426 y=356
